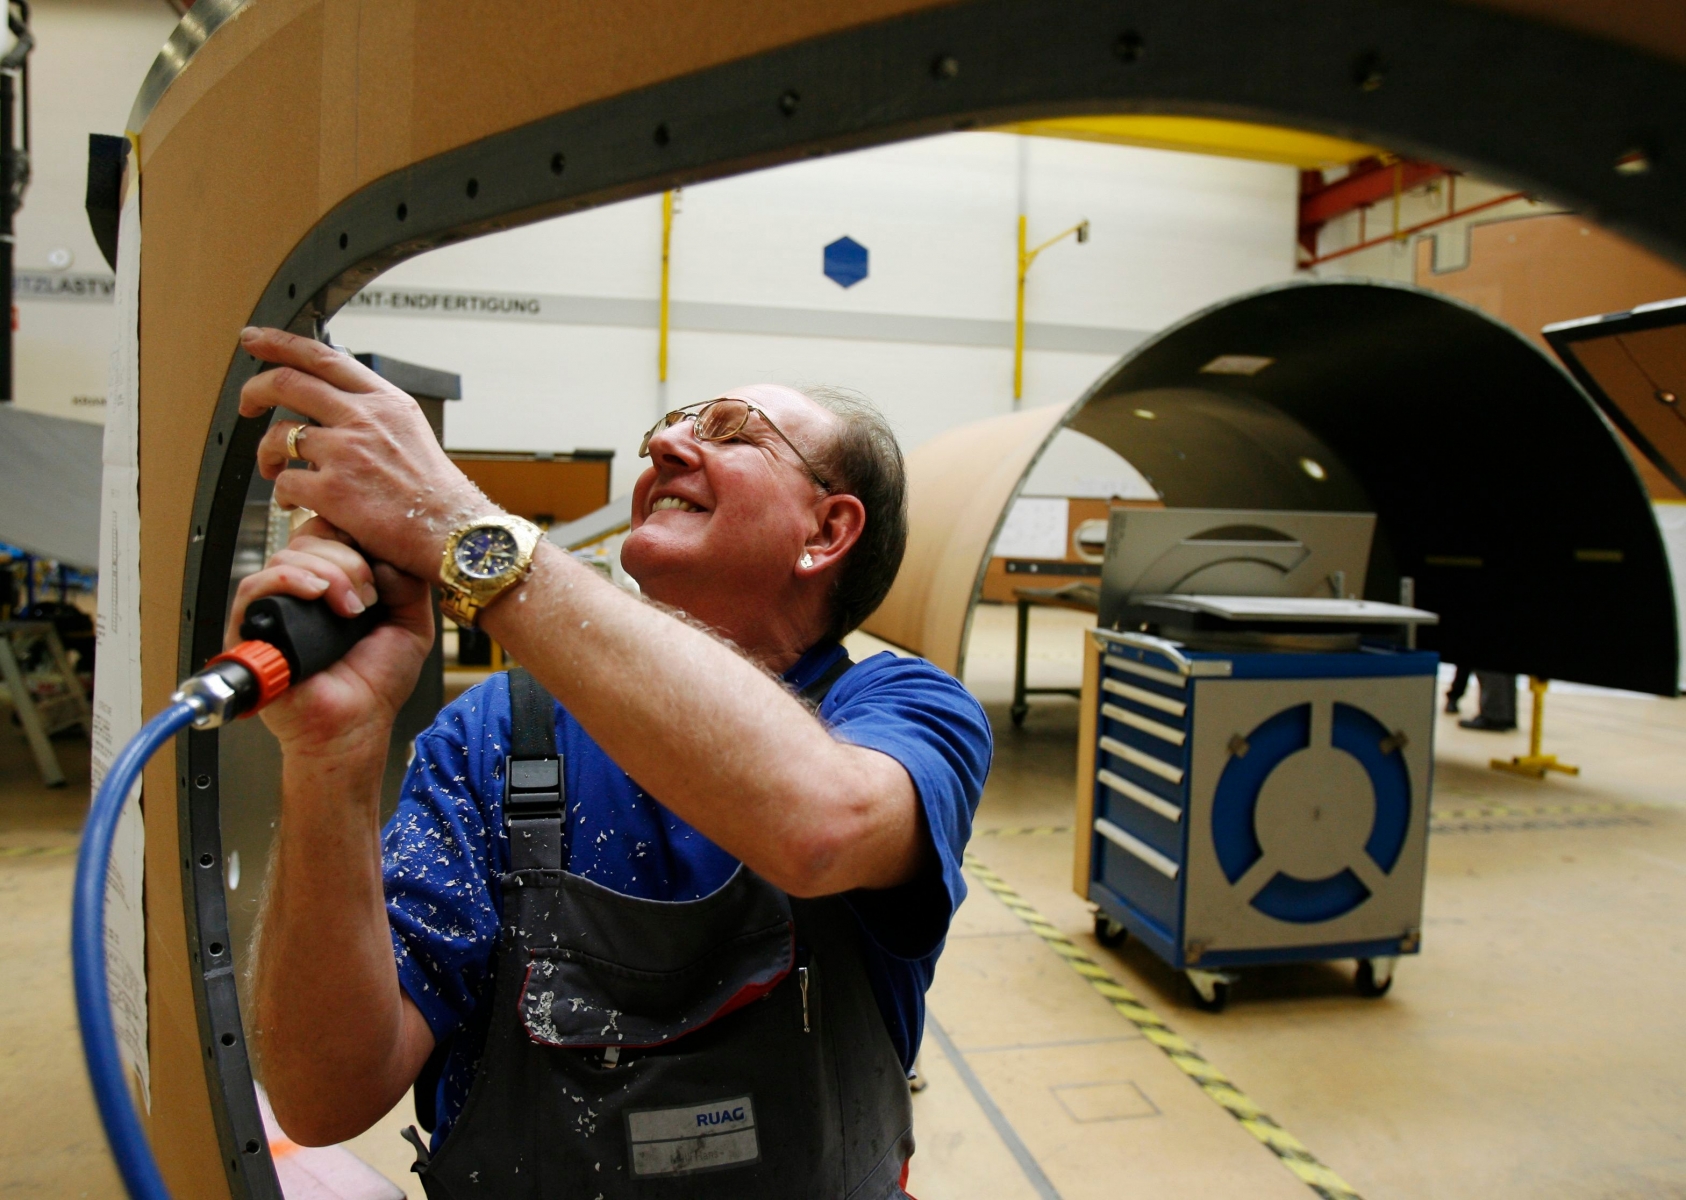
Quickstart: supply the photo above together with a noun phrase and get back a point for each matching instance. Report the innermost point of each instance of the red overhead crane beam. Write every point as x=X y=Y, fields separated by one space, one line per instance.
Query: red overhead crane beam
x=1409 y=230
x=1370 y=181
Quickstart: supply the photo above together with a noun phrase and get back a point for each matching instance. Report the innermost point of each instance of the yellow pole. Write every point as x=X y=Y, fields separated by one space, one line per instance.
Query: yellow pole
x=1018 y=320
x=1536 y=731
x=1535 y=764
x=667 y=243
x=1027 y=255
x=1398 y=196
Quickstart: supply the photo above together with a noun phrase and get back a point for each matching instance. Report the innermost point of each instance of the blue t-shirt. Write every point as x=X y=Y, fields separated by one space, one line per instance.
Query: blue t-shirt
x=444 y=848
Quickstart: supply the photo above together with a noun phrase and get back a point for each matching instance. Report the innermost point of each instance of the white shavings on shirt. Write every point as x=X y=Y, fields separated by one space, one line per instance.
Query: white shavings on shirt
x=444 y=900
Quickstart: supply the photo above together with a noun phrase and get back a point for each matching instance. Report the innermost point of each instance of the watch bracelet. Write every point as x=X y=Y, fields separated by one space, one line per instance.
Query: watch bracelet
x=460 y=603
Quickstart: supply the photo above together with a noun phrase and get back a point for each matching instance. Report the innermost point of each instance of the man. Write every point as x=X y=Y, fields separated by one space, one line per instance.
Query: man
x=560 y=918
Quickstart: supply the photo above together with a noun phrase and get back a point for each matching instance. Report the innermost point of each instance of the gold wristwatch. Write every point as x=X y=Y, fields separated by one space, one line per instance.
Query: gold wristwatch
x=484 y=558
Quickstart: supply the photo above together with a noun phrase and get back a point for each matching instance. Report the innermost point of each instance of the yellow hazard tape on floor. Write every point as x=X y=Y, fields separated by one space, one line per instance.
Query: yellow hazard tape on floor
x=35 y=851
x=1289 y=1149
x=1492 y=818
x=1473 y=818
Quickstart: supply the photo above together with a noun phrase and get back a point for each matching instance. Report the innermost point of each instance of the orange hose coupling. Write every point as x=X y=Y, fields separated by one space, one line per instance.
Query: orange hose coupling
x=267 y=665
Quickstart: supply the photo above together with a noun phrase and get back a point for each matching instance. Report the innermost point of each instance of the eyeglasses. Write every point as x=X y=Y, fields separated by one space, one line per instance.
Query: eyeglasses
x=720 y=420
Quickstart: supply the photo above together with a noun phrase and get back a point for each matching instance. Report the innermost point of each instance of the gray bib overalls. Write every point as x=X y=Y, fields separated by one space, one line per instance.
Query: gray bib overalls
x=722 y=1047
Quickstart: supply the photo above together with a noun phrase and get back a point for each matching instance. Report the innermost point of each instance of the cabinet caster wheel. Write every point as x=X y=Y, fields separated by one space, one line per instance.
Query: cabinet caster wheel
x=1209 y=990
x=1375 y=977
x=1108 y=932
x=1218 y=1002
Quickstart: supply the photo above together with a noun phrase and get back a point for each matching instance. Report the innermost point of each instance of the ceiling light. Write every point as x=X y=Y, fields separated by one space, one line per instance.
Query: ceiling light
x=1633 y=162
x=1147 y=414
x=1313 y=468
x=1236 y=364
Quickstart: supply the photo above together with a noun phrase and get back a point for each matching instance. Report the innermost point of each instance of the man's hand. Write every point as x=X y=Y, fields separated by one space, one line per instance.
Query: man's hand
x=380 y=474
x=354 y=701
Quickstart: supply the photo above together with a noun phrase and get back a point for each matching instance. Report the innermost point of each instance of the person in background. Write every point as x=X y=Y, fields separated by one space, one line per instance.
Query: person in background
x=1497 y=713
x=1455 y=693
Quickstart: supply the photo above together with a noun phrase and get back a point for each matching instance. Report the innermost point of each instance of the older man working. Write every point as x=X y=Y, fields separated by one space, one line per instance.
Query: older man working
x=670 y=929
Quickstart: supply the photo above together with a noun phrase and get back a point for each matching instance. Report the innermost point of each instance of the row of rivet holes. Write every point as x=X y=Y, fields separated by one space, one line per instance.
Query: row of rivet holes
x=215 y=950
x=1368 y=74
x=943 y=67
x=558 y=163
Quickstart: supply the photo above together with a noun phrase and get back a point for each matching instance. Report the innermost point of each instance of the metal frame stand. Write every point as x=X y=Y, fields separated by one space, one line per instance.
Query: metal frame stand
x=23 y=702
x=1020 y=708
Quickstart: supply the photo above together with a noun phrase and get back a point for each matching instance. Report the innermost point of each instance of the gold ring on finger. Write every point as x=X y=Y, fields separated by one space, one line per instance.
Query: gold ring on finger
x=295 y=435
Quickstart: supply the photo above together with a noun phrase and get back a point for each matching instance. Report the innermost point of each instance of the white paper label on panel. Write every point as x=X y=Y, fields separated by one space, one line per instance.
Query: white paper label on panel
x=117 y=683
x=1035 y=528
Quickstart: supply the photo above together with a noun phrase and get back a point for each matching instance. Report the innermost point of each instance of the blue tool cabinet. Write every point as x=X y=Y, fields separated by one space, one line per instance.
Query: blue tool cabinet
x=1263 y=807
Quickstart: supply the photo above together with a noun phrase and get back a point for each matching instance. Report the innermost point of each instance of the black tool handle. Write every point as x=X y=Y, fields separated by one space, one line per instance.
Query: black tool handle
x=307 y=632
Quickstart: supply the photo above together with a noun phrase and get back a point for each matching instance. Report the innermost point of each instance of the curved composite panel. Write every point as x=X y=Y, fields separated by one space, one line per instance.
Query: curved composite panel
x=293 y=149
x=1497 y=486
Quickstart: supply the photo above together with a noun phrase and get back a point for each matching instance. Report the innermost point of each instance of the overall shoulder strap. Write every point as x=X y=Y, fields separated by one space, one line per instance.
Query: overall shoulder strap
x=534 y=792
x=533 y=817
x=532 y=717
x=815 y=693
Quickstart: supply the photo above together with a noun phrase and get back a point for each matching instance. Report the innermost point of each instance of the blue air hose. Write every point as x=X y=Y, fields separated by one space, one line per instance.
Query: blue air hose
x=288 y=640
x=87 y=953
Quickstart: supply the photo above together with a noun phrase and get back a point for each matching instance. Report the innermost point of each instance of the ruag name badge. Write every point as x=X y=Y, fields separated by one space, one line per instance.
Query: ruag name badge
x=697 y=1137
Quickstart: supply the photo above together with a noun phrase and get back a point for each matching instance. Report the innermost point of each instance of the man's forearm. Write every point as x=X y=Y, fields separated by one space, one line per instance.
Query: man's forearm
x=718 y=741
x=334 y=1040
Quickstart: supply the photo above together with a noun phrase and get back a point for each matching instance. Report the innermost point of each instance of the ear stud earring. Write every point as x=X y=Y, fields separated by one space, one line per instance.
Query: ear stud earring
x=807 y=560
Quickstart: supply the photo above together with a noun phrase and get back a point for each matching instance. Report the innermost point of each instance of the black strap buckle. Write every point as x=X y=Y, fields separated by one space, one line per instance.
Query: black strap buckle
x=532 y=788
x=532 y=813
x=534 y=795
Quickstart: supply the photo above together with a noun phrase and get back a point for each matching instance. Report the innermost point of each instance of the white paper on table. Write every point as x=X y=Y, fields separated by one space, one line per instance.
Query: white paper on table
x=1035 y=527
x=117 y=683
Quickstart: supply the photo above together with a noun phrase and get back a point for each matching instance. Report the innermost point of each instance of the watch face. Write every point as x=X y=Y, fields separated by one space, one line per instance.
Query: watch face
x=486 y=552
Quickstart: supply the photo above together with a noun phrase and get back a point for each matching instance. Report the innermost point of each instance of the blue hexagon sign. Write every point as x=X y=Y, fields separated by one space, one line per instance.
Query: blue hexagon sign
x=845 y=262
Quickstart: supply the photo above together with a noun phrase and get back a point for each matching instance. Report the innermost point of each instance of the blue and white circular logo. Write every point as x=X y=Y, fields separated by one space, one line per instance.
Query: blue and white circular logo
x=1311 y=812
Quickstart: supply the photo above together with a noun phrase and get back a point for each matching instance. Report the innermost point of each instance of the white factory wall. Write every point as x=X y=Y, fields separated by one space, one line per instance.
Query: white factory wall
x=1171 y=233
x=89 y=60
x=1395 y=259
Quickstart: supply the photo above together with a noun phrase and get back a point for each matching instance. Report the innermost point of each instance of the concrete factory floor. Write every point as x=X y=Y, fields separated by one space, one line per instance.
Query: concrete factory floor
x=1532 y=1050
